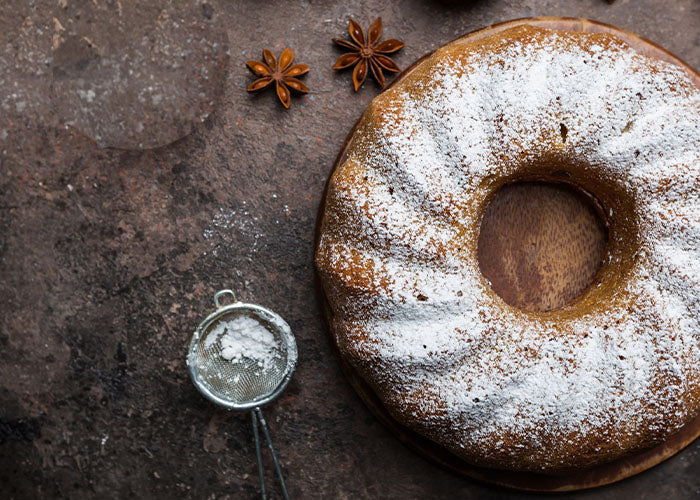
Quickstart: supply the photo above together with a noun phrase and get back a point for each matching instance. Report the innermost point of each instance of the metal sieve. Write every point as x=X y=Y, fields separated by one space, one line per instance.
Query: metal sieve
x=244 y=382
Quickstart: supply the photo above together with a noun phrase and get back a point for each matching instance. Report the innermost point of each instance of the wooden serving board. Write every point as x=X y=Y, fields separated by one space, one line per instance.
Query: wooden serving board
x=575 y=271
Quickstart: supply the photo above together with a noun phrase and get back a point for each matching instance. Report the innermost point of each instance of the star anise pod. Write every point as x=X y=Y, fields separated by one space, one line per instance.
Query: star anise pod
x=368 y=53
x=281 y=72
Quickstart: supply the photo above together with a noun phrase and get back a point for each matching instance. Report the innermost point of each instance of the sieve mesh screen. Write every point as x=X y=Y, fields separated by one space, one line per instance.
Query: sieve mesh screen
x=240 y=380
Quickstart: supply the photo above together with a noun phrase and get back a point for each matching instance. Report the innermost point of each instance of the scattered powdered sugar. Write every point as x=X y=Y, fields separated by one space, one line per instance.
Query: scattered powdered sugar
x=244 y=338
x=239 y=226
x=417 y=318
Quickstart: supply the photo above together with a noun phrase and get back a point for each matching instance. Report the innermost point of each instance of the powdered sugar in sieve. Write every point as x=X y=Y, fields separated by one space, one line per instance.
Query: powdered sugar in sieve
x=242 y=357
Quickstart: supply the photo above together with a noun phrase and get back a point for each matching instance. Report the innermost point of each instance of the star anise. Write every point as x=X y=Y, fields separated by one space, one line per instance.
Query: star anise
x=367 y=53
x=282 y=73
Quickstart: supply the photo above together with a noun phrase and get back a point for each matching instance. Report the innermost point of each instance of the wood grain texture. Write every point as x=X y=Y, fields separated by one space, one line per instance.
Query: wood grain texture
x=540 y=244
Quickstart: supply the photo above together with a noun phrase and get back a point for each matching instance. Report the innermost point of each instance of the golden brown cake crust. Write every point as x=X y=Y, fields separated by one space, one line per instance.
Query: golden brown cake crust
x=397 y=251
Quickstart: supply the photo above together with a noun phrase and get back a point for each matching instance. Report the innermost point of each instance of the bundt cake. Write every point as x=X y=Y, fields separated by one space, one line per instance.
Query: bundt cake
x=615 y=371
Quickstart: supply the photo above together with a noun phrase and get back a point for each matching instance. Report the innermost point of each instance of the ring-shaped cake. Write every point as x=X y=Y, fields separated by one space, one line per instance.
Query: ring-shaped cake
x=615 y=371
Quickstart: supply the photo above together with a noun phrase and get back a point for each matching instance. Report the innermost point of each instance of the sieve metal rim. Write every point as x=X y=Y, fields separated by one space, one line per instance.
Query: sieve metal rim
x=273 y=319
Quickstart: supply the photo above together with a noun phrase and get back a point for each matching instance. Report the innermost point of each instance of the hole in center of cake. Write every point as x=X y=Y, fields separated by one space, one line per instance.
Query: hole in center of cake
x=540 y=244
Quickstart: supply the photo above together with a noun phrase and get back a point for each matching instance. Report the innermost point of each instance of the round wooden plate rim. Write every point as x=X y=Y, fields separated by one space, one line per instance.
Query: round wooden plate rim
x=583 y=479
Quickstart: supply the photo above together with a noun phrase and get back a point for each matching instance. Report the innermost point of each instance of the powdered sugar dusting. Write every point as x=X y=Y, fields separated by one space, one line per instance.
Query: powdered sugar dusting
x=450 y=359
x=244 y=338
x=234 y=225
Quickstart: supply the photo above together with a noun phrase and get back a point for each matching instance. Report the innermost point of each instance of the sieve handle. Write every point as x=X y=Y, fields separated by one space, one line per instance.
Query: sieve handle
x=220 y=294
x=258 y=453
x=258 y=416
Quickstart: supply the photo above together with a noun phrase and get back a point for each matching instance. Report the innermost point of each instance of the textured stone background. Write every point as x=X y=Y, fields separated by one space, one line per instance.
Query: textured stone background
x=109 y=257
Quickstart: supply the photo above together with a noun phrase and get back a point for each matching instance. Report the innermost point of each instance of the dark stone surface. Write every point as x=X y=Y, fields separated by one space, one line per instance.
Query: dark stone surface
x=109 y=258
x=137 y=75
